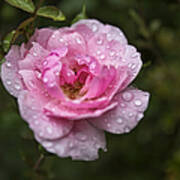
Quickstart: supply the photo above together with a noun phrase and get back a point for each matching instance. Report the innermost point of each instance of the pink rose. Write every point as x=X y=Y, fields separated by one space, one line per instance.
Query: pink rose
x=71 y=84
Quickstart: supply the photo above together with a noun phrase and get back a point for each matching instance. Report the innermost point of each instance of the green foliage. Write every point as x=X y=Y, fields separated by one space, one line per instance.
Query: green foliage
x=6 y=43
x=51 y=12
x=26 y=5
x=81 y=15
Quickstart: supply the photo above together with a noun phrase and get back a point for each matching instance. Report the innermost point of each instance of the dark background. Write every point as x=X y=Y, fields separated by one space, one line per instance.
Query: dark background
x=152 y=150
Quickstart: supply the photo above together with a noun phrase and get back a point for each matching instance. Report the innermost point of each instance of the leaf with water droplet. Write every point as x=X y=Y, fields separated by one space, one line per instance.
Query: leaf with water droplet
x=26 y=5
x=6 y=43
x=81 y=15
x=51 y=12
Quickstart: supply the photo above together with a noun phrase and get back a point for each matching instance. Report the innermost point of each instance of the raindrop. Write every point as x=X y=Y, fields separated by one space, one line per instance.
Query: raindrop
x=57 y=73
x=130 y=114
x=112 y=53
x=135 y=55
x=102 y=56
x=99 y=41
x=17 y=86
x=61 y=40
x=137 y=102
x=92 y=65
x=122 y=105
x=94 y=28
x=108 y=125
x=34 y=117
x=8 y=82
x=36 y=122
x=109 y=37
x=81 y=136
x=38 y=74
x=98 y=52
x=45 y=63
x=71 y=144
x=127 y=96
x=49 y=130
x=119 y=121
x=140 y=116
x=34 y=54
x=8 y=64
x=78 y=40
x=126 y=129
x=45 y=80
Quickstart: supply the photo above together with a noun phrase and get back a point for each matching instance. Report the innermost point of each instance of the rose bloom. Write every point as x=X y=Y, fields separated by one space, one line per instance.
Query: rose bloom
x=71 y=85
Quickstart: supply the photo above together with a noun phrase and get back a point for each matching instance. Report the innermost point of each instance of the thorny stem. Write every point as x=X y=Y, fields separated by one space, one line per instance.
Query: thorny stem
x=38 y=162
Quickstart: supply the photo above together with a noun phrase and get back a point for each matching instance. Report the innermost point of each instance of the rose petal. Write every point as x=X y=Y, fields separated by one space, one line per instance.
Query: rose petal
x=67 y=38
x=82 y=143
x=131 y=105
x=46 y=127
x=41 y=36
x=56 y=109
x=9 y=72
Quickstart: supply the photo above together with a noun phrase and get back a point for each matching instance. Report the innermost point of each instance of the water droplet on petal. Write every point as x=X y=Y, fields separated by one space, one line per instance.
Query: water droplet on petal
x=45 y=63
x=126 y=129
x=102 y=56
x=108 y=125
x=122 y=105
x=71 y=144
x=98 y=52
x=38 y=74
x=92 y=65
x=34 y=117
x=127 y=96
x=137 y=102
x=8 y=64
x=99 y=41
x=49 y=130
x=45 y=80
x=36 y=122
x=78 y=40
x=94 y=28
x=130 y=114
x=140 y=116
x=81 y=136
x=111 y=53
x=8 y=82
x=119 y=121
x=34 y=54
x=61 y=40
x=17 y=86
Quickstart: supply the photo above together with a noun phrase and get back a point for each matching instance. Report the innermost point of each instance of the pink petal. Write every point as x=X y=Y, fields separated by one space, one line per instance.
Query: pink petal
x=41 y=36
x=31 y=80
x=131 y=105
x=68 y=38
x=46 y=127
x=99 y=84
x=82 y=143
x=34 y=57
x=56 y=109
x=88 y=28
x=9 y=72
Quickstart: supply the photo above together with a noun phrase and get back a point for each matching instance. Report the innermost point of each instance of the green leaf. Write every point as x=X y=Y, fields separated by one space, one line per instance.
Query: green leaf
x=26 y=5
x=7 y=40
x=81 y=15
x=51 y=12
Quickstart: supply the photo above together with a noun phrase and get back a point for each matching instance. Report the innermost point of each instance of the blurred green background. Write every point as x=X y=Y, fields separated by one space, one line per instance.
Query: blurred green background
x=152 y=150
